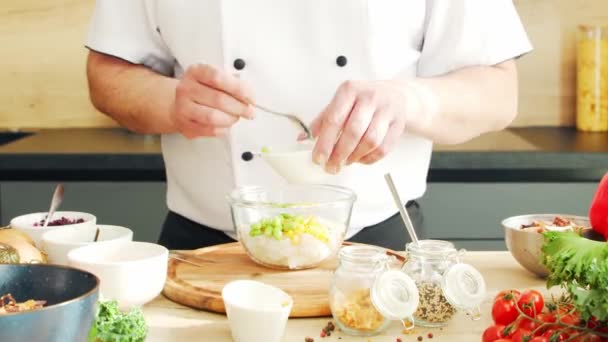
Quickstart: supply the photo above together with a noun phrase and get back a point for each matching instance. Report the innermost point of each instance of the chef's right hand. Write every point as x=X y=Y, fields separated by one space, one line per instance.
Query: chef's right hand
x=208 y=101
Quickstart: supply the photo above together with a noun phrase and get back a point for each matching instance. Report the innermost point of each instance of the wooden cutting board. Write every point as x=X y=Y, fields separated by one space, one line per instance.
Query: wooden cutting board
x=201 y=286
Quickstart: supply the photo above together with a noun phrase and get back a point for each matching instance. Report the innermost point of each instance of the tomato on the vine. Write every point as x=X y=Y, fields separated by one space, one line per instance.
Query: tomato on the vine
x=520 y=335
x=531 y=303
x=546 y=317
x=527 y=324
x=588 y=338
x=592 y=323
x=555 y=336
x=570 y=319
x=514 y=293
x=539 y=339
x=504 y=310
x=493 y=333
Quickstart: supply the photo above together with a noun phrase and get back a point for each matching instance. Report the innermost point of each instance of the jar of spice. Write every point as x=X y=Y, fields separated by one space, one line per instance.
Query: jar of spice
x=592 y=79
x=444 y=284
x=366 y=294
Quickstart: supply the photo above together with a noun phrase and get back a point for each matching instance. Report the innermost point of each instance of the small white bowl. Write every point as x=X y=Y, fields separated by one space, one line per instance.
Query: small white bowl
x=132 y=273
x=58 y=243
x=294 y=163
x=25 y=223
x=256 y=311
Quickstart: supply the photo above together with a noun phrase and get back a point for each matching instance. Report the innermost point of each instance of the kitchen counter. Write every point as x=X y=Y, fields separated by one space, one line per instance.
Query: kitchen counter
x=172 y=322
x=517 y=154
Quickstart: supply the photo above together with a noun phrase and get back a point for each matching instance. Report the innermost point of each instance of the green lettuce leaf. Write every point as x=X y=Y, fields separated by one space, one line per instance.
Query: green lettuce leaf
x=580 y=266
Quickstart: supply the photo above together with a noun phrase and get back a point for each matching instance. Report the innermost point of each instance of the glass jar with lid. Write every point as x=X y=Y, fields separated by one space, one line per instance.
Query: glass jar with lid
x=366 y=294
x=445 y=285
x=592 y=78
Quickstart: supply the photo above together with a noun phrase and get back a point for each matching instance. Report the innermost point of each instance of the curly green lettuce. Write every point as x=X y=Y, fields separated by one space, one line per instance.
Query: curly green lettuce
x=112 y=325
x=580 y=266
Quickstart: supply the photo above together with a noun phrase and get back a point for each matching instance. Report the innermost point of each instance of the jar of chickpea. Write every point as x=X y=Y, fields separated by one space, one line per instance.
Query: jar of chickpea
x=592 y=79
x=366 y=294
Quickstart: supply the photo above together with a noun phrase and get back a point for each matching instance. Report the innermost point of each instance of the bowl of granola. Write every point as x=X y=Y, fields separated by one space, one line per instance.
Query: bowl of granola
x=524 y=236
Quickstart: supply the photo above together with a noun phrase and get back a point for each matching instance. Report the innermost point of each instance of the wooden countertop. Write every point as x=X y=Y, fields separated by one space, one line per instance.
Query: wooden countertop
x=172 y=322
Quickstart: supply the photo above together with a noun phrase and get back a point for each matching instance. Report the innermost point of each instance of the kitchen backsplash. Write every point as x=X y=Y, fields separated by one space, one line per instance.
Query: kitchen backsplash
x=43 y=83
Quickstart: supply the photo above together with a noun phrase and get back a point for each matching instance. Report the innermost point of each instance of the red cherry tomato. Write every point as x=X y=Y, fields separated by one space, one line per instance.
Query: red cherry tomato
x=531 y=303
x=539 y=339
x=514 y=293
x=520 y=335
x=492 y=333
x=555 y=336
x=546 y=317
x=570 y=319
x=592 y=323
x=527 y=324
x=504 y=310
x=588 y=338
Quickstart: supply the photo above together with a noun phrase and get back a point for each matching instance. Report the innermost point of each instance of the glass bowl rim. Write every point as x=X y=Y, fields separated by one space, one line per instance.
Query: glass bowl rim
x=235 y=196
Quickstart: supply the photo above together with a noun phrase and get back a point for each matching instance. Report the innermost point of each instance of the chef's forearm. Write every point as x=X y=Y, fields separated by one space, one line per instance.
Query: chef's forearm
x=133 y=95
x=461 y=105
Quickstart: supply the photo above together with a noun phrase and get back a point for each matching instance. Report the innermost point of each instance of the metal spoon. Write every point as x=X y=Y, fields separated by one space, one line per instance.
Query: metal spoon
x=294 y=118
x=96 y=235
x=404 y=215
x=55 y=203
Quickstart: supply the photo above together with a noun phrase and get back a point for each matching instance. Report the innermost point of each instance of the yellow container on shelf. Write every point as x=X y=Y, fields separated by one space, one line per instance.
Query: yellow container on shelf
x=592 y=79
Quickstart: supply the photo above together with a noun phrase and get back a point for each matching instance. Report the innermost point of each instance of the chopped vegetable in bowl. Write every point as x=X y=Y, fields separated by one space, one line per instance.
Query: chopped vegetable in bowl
x=291 y=241
x=290 y=226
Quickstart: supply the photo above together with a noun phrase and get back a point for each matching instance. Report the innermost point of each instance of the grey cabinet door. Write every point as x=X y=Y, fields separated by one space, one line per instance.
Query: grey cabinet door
x=470 y=213
x=138 y=206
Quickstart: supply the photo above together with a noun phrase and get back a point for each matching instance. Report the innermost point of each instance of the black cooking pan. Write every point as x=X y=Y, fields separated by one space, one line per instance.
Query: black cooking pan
x=71 y=301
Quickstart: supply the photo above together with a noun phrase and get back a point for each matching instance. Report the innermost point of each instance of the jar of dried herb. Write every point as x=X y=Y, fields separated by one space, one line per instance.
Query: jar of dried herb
x=444 y=284
x=366 y=294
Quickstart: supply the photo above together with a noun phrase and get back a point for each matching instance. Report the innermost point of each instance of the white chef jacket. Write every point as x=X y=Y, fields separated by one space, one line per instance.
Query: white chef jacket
x=291 y=51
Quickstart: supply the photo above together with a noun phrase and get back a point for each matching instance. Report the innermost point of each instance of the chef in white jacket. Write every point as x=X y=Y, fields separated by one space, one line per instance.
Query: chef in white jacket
x=379 y=80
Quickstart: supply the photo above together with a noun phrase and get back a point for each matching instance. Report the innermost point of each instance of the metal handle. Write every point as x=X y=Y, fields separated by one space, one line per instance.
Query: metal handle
x=404 y=215
x=291 y=117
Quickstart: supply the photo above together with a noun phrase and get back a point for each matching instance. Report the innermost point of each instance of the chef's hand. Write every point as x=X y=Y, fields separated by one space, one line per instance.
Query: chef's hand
x=208 y=101
x=362 y=123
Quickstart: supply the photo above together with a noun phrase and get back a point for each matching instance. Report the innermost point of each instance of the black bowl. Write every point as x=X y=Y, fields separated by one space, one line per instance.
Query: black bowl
x=71 y=303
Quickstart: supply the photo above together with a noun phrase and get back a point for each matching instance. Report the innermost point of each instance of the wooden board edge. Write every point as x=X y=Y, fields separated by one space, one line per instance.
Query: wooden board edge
x=217 y=303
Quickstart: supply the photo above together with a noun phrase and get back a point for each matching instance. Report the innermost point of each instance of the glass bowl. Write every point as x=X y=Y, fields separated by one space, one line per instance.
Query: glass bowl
x=292 y=226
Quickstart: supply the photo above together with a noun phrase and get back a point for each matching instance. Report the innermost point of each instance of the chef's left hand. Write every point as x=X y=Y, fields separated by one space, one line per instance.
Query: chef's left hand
x=362 y=123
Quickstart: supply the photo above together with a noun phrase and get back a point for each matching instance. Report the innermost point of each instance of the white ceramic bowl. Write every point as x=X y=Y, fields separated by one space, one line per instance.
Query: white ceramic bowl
x=132 y=273
x=294 y=163
x=256 y=311
x=59 y=242
x=25 y=223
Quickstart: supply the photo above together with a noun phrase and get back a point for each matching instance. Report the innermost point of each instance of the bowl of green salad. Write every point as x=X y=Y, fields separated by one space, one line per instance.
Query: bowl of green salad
x=292 y=226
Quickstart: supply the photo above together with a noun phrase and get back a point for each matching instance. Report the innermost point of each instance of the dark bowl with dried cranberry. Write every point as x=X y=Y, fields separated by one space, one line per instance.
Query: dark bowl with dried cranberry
x=33 y=224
